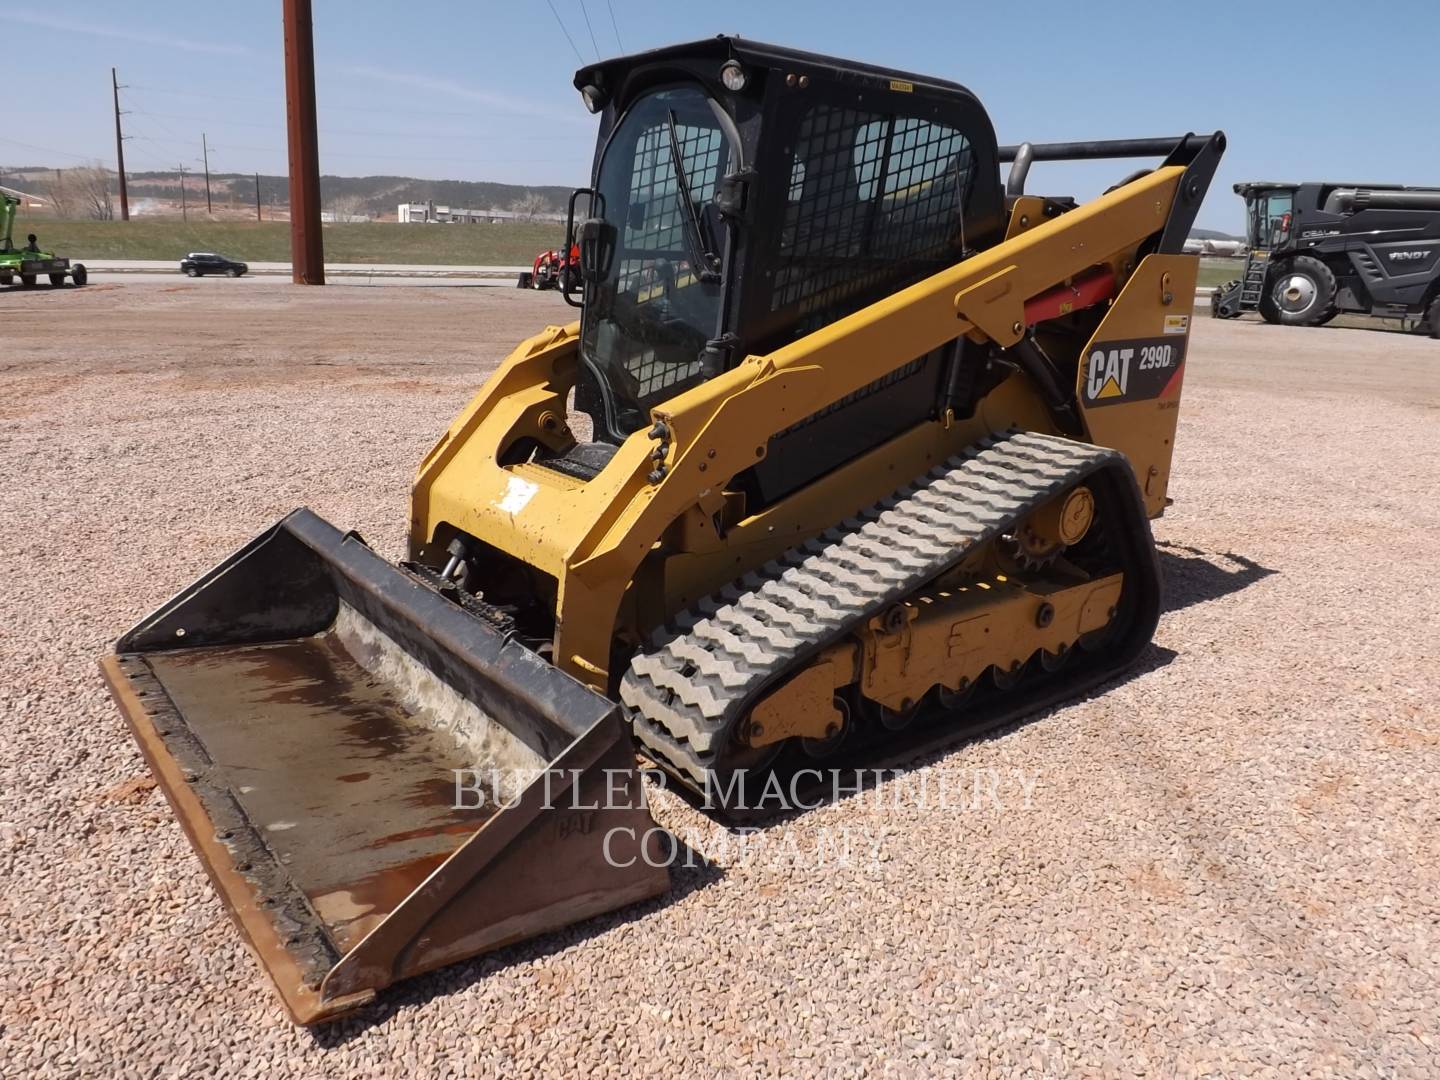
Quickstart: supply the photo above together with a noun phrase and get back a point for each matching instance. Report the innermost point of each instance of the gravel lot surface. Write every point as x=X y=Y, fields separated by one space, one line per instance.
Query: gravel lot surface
x=1227 y=863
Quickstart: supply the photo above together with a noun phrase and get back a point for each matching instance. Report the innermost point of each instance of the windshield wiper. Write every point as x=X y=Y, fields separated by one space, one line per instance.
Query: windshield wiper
x=705 y=260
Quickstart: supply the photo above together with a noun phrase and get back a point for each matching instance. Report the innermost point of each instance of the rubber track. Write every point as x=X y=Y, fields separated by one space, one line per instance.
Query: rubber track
x=703 y=675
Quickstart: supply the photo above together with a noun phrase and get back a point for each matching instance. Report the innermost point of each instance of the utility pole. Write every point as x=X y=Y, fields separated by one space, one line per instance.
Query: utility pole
x=307 y=252
x=120 y=150
x=257 y=198
x=205 y=150
x=184 y=213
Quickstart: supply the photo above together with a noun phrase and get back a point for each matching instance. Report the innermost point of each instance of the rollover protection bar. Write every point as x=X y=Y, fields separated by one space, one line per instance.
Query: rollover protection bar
x=1175 y=149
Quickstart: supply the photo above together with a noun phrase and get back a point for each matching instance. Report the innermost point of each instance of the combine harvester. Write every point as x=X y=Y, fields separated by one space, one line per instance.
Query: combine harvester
x=1318 y=250
x=875 y=445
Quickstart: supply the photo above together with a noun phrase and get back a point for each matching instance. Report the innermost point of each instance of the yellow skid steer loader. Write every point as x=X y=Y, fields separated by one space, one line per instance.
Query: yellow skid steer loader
x=869 y=449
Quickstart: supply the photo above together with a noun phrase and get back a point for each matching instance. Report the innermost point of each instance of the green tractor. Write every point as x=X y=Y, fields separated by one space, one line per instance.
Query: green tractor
x=29 y=262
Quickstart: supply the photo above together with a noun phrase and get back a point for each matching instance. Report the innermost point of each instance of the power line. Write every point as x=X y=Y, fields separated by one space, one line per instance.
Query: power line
x=614 y=26
x=166 y=128
x=197 y=94
x=141 y=137
x=200 y=119
x=464 y=114
x=161 y=164
x=586 y=12
x=568 y=38
x=46 y=149
x=364 y=155
x=328 y=131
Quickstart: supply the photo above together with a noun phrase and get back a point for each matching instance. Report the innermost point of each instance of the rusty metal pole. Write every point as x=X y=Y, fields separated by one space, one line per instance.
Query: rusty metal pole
x=307 y=253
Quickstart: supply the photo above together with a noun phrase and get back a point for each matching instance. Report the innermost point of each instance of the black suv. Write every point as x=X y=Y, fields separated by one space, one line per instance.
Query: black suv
x=199 y=263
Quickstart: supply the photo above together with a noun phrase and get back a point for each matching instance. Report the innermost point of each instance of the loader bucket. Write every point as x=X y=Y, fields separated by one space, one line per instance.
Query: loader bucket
x=305 y=707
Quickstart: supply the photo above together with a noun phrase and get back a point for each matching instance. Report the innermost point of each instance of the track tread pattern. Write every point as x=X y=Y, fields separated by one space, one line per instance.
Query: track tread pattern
x=701 y=676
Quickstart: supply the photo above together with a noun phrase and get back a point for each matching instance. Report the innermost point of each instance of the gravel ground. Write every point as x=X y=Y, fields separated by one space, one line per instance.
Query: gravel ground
x=1224 y=864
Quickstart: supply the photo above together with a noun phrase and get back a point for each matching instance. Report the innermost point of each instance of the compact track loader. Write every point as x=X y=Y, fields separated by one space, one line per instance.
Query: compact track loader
x=869 y=449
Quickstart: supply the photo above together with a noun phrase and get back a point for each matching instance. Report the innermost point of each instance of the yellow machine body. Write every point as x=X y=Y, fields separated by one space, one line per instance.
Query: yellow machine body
x=626 y=552
x=755 y=563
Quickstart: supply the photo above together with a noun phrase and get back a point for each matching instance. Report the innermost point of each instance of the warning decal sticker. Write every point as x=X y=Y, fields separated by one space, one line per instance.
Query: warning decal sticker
x=1117 y=372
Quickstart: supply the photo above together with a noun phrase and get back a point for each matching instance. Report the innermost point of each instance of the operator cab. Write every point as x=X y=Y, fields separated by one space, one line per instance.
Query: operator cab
x=744 y=195
x=1269 y=214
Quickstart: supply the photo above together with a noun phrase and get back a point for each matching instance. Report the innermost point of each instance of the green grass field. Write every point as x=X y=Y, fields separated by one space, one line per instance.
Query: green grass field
x=1215 y=271
x=511 y=244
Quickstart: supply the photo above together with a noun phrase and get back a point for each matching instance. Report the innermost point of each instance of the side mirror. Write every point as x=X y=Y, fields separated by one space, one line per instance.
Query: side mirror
x=597 y=248
x=595 y=205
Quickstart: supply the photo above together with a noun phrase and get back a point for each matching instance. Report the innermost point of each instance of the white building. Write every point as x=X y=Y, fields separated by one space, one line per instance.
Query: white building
x=428 y=213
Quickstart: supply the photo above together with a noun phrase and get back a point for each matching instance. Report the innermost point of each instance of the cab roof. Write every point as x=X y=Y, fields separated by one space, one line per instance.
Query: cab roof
x=722 y=47
x=1251 y=187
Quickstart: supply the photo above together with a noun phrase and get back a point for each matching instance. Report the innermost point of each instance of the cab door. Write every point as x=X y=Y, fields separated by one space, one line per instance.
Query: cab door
x=1278 y=214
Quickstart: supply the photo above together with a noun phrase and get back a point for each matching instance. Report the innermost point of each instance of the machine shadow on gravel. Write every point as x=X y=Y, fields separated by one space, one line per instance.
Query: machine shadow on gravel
x=690 y=871
x=1193 y=576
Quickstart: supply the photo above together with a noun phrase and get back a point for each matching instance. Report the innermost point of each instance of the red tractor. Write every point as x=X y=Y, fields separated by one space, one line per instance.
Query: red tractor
x=553 y=269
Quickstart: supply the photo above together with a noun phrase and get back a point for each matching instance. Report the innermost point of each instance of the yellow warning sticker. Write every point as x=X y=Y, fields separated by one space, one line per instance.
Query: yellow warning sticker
x=901 y=86
x=1177 y=324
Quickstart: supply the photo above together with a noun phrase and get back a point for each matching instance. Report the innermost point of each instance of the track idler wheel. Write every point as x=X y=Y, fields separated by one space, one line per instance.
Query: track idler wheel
x=953 y=700
x=1009 y=677
x=838 y=733
x=1054 y=661
x=886 y=717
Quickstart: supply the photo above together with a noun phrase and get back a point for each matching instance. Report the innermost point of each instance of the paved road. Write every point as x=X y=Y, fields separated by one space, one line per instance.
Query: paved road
x=146 y=277
x=169 y=267
x=117 y=270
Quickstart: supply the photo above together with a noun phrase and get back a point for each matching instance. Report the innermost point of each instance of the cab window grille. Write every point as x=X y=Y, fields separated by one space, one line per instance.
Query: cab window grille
x=657 y=230
x=873 y=200
x=654 y=243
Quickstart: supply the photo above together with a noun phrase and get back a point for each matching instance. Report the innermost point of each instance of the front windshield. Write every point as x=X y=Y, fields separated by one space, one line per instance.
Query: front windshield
x=649 y=316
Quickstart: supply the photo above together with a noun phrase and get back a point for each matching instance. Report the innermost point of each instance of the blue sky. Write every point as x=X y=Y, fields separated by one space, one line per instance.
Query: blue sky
x=482 y=90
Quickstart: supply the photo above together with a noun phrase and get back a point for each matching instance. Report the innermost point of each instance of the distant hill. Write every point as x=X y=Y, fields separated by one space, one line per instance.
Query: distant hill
x=367 y=196
x=376 y=196
x=1213 y=234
